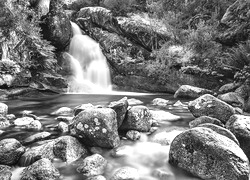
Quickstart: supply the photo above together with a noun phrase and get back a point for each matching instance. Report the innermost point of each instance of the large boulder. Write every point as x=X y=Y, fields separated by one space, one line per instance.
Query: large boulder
x=208 y=105
x=120 y=107
x=10 y=151
x=239 y=126
x=209 y=155
x=43 y=169
x=138 y=118
x=57 y=29
x=96 y=127
x=5 y=172
x=187 y=91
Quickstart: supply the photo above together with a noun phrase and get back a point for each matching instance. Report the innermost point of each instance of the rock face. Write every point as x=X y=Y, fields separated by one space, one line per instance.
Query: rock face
x=93 y=165
x=239 y=126
x=187 y=91
x=97 y=127
x=209 y=155
x=138 y=118
x=120 y=107
x=10 y=151
x=237 y=23
x=208 y=105
x=42 y=169
x=57 y=29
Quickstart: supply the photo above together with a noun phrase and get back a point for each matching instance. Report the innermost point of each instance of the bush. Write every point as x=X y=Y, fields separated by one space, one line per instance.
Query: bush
x=120 y=7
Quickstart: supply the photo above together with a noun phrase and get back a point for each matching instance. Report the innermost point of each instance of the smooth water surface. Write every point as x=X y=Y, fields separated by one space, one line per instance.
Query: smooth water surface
x=149 y=158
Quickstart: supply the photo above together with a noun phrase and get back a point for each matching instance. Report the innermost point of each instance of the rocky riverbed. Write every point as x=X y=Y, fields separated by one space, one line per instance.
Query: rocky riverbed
x=143 y=138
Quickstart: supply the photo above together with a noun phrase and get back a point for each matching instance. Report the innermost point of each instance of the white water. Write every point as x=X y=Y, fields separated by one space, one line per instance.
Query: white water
x=90 y=70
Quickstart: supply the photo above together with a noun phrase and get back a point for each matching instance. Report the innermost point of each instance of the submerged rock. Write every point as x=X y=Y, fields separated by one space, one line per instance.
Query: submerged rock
x=160 y=102
x=97 y=127
x=43 y=169
x=239 y=126
x=63 y=111
x=93 y=165
x=120 y=107
x=204 y=119
x=160 y=115
x=138 y=118
x=187 y=91
x=10 y=151
x=67 y=119
x=209 y=155
x=125 y=173
x=208 y=105
x=36 y=137
x=99 y=177
x=5 y=172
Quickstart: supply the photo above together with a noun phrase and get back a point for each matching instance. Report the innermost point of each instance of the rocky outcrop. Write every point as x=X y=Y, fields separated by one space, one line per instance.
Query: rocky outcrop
x=187 y=91
x=96 y=127
x=208 y=105
x=209 y=155
x=239 y=126
x=138 y=118
x=42 y=169
x=10 y=151
x=127 y=43
x=236 y=21
x=57 y=29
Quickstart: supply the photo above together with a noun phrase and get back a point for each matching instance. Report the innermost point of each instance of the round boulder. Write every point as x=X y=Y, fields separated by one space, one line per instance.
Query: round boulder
x=208 y=105
x=187 y=91
x=93 y=165
x=204 y=119
x=42 y=169
x=96 y=127
x=125 y=173
x=138 y=118
x=209 y=155
x=10 y=151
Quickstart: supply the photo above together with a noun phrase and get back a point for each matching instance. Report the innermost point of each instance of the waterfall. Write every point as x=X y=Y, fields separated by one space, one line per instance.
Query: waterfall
x=90 y=70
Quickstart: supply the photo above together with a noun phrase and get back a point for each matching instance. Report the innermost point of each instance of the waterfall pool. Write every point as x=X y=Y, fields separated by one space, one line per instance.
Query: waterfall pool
x=150 y=158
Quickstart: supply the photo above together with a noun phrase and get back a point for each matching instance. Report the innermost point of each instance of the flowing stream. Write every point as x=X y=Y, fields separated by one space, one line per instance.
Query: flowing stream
x=90 y=70
x=148 y=157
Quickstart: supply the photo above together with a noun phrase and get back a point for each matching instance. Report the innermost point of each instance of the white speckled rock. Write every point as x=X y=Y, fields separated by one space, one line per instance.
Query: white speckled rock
x=3 y=109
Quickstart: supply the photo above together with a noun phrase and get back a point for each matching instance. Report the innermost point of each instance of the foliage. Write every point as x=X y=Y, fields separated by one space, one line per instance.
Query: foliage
x=239 y=57
x=120 y=7
x=23 y=38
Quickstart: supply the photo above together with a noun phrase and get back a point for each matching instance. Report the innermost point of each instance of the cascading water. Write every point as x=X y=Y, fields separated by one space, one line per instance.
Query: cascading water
x=90 y=70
